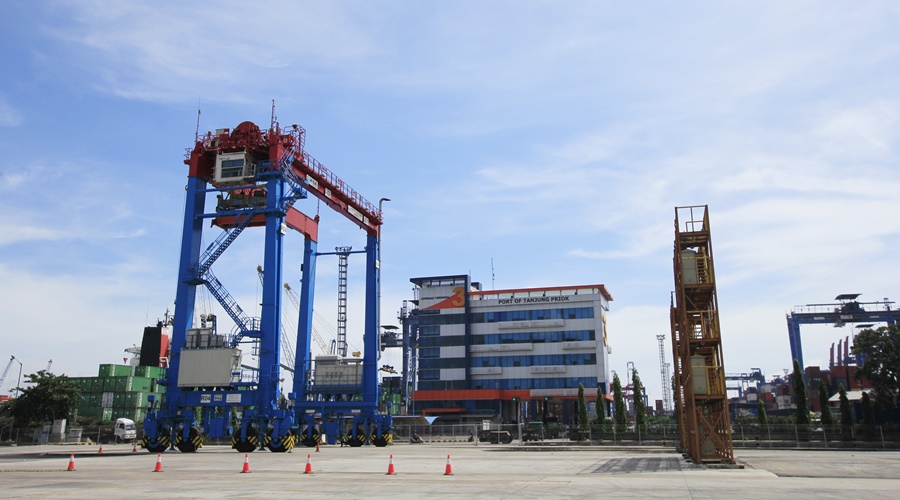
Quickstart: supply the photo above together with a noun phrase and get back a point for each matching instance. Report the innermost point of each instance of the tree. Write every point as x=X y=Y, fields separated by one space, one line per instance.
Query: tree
x=582 y=410
x=601 y=409
x=880 y=352
x=49 y=397
x=827 y=417
x=868 y=416
x=640 y=415
x=621 y=418
x=846 y=412
x=800 y=395
x=761 y=416
x=601 y=405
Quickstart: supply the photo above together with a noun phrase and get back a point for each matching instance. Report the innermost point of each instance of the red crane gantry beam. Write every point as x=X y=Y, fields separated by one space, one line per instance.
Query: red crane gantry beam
x=337 y=194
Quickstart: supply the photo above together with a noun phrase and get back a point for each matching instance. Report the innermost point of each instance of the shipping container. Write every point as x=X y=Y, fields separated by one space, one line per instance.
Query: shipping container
x=114 y=370
x=143 y=384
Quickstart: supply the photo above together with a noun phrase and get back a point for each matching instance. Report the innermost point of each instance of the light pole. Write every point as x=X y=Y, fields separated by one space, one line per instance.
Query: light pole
x=19 y=383
x=382 y=200
x=378 y=277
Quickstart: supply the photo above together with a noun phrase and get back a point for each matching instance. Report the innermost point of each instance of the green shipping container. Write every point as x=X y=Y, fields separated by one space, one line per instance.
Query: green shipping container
x=142 y=384
x=105 y=384
x=114 y=371
x=136 y=399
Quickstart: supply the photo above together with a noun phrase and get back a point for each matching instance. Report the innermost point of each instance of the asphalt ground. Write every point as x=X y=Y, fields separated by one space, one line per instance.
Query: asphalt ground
x=483 y=471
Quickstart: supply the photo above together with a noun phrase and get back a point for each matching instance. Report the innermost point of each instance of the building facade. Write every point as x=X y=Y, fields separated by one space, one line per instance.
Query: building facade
x=504 y=355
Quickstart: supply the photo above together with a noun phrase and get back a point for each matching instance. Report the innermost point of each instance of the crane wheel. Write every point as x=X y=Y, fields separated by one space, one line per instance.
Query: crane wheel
x=159 y=444
x=248 y=445
x=284 y=443
x=382 y=441
x=310 y=438
x=359 y=440
x=193 y=442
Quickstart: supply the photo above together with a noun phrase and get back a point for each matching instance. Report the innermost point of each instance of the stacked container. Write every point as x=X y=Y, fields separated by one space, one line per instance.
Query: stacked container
x=119 y=391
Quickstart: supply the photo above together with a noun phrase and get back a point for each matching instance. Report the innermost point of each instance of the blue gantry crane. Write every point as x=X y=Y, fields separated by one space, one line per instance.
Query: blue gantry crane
x=257 y=176
x=847 y=310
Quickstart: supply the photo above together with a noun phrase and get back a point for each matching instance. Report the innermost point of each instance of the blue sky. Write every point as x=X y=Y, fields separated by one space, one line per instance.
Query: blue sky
x=525 y=143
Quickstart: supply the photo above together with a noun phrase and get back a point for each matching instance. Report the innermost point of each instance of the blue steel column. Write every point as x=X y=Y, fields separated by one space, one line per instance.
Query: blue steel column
x=404 y=389
x=303 y=361
x=270 y=312
x=191 y=237
x=794 y=335
x=372 y=338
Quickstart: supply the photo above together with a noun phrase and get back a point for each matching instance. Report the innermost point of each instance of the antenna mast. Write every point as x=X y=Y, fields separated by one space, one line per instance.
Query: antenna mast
x=197 y=130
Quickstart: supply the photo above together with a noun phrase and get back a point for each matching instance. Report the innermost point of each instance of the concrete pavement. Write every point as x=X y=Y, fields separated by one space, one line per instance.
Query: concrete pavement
x=485 y=471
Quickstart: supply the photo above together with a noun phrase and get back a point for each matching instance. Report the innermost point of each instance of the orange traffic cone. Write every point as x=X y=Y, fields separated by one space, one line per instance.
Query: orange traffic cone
x=100 y=450
x=246 y=468
x=158 y=463
x=308 y=465
x=390 y=471
x=134 y=448
x=71 y=466
x=448 y=471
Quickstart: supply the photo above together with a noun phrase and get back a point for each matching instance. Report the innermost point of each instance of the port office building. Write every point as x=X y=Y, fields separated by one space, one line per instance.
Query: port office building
x=504 y=355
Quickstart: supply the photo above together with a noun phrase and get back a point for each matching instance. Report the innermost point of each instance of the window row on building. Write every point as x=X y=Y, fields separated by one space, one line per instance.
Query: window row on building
x=426 y=363
x=502 y=316
x=426 y=383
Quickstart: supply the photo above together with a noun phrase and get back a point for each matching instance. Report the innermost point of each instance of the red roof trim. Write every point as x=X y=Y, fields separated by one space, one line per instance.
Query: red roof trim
x=602 y=288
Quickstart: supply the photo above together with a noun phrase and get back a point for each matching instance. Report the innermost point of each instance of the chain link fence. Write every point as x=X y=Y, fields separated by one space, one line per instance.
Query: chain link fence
x=82 y=434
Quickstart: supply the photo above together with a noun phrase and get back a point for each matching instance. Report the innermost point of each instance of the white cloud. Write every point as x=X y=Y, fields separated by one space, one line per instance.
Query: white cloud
x=176 y=52
x=9 y=116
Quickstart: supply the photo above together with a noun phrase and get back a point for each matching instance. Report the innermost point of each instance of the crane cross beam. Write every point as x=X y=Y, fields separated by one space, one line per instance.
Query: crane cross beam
x=337 y=194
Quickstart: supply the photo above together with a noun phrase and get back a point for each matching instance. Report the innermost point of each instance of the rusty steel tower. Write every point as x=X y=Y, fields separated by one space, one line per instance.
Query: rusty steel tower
x=700 y=396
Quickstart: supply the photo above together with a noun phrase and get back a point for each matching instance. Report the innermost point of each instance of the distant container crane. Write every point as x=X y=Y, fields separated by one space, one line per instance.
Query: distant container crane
x=6 y=370
x=665 y=378
x=296 y=301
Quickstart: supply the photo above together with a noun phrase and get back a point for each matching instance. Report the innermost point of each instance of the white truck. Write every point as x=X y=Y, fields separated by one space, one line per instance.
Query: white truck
x=125 y=430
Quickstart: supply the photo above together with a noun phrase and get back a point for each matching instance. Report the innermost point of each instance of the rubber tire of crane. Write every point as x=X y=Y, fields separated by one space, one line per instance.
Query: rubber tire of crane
x=382 y=441
x=194 y=441
x=506 y=438
x=310 y=442
x=154 y=446
x=360 y=438
x=248 y=446
x=157 y=445
x=283 y=444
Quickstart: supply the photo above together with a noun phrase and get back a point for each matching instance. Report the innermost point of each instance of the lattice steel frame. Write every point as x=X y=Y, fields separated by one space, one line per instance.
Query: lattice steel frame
x=700 y=397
